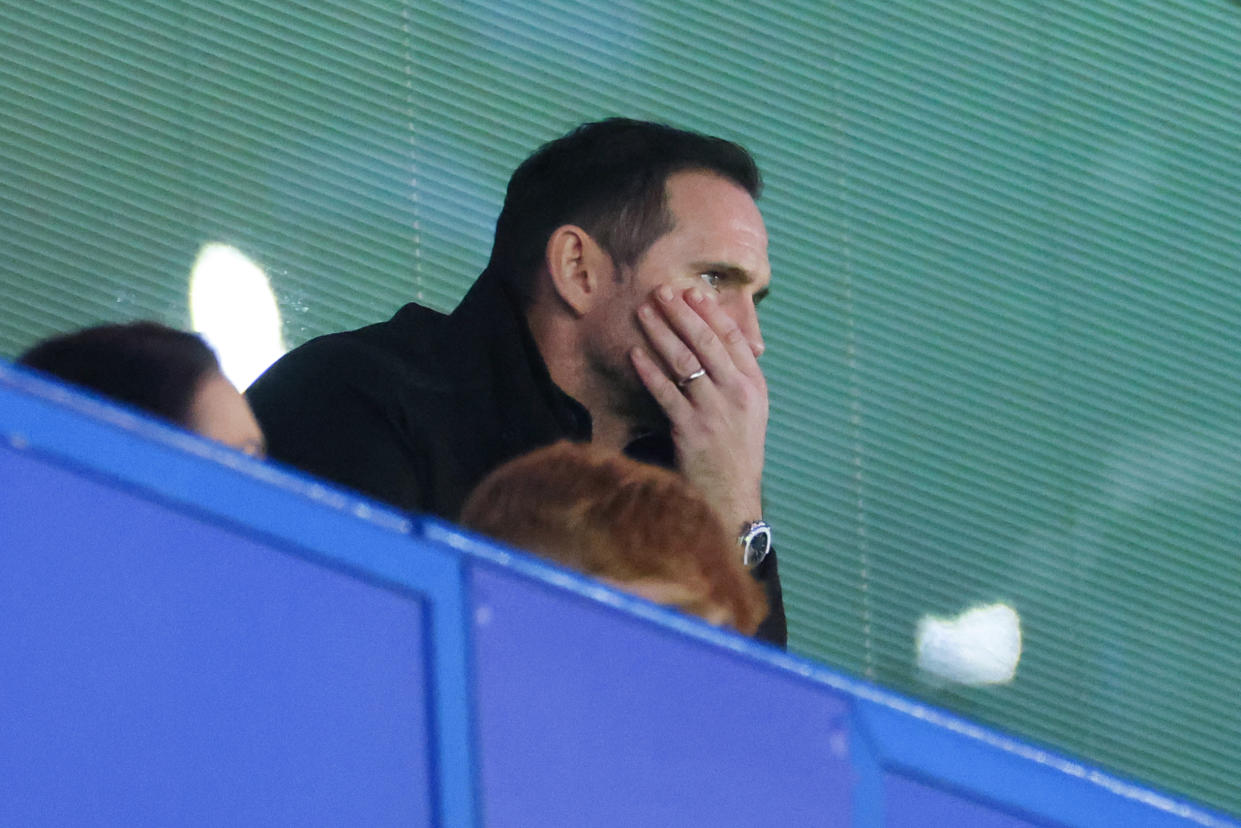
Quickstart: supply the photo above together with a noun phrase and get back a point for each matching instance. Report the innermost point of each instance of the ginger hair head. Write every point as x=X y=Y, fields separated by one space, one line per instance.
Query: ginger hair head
x=640 y=527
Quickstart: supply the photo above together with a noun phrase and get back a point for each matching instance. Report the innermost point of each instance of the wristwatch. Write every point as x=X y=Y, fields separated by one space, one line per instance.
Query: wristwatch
x=755 y=541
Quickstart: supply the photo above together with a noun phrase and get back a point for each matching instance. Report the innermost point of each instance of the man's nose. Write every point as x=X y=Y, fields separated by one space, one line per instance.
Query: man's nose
x=746 y=317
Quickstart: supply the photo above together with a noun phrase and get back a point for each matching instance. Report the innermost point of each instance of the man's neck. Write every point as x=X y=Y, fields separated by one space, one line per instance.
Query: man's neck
x=562 y=353
x=610 y=432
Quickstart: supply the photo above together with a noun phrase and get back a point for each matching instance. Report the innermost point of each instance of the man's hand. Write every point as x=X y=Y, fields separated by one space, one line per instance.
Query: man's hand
x=719 y=420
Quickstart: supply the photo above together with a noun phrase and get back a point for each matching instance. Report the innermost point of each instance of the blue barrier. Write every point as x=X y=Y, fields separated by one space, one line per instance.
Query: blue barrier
x=189 y=636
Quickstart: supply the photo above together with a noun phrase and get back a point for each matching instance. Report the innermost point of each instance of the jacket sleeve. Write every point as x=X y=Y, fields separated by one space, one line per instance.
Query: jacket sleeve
x=774 y=629
x=323 y=410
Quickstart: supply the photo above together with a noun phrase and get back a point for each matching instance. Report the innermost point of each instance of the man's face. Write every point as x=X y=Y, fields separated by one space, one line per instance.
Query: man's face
x=719 y=243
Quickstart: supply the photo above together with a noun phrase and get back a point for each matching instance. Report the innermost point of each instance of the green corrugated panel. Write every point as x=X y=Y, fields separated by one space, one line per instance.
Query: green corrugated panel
x=1053 y=290
x=136 y=132
x=1004 y=327
x=75 y=222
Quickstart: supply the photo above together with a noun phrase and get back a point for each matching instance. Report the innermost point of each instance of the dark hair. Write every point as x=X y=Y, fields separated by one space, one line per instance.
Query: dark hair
x=145 y=364
x=604 y=514
x=607 y=177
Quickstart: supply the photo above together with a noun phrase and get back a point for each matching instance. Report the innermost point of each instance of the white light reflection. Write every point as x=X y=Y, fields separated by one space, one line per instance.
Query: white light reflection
x=980 y=646
x=232 y=306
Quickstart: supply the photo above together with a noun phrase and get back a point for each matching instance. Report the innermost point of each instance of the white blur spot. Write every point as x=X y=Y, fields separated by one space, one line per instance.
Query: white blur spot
x=232 y=306
x=838 y=743
x=978 y=647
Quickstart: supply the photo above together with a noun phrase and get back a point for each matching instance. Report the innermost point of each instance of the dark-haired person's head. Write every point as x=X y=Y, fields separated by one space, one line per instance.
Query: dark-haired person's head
x=610 y=232
x=609 y=178
x=160 y=370
x=638 y=527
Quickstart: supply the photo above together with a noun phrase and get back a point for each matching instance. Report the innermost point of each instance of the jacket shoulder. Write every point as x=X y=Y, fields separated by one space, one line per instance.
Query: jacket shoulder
x=359 y=357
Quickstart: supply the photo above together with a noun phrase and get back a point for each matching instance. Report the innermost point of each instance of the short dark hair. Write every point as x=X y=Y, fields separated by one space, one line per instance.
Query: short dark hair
x=609 y=178
x=145 y=364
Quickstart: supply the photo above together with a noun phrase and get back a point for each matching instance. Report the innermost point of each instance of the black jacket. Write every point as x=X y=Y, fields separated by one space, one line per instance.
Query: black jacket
x=415 y=411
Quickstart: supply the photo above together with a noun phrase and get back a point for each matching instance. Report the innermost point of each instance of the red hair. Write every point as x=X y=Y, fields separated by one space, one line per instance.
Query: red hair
x=604 y=514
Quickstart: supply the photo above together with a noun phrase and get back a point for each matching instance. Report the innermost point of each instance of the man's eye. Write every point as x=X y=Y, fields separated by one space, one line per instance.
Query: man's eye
x=712 y=278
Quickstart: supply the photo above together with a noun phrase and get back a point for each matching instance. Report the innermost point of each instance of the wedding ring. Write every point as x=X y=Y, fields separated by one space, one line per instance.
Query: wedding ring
x=701 y=372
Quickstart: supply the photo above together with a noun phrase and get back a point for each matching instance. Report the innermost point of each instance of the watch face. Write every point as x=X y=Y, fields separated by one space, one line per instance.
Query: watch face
x=756 y=543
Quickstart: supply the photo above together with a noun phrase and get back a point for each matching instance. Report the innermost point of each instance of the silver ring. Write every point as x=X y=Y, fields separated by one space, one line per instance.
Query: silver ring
x=701 y=372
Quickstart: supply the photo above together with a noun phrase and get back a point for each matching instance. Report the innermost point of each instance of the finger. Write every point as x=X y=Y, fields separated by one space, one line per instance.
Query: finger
x=667 y=344
x=726 y=331
x=694 y=331
x=664 y=390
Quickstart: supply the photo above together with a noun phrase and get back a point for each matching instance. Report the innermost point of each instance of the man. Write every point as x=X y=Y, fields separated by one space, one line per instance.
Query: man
x=619 y=307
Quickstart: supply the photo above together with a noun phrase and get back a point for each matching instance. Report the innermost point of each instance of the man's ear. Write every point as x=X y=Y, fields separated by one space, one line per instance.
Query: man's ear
x=579 y=270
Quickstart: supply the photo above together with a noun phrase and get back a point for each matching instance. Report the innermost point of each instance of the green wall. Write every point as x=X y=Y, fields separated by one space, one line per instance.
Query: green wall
x=1003 y=336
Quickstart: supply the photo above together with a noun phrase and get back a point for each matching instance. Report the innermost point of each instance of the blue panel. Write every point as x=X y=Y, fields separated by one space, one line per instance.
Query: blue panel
x=1005 y=775
x=163 y=670
x=911 y=804
x=310 y=519
x=591 y=716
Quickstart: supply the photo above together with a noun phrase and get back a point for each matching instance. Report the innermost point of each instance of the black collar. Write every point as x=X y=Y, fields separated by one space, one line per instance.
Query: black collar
x=489 y=328
x=491 y=324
